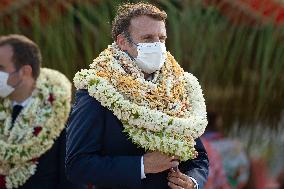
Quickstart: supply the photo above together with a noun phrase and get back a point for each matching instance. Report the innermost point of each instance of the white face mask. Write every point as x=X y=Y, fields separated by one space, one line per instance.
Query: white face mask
x=5 y=89
x=151 y=56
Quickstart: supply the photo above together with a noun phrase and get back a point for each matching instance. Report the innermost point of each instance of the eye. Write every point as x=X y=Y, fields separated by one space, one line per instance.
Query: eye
x=148 y=40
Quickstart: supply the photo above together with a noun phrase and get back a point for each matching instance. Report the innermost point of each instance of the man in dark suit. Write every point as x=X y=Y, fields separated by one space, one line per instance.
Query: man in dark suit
x=99 y=153
x=20 y=62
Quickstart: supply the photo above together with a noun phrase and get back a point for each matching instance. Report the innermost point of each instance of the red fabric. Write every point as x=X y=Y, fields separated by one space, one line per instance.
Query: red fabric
x=269 y=8
x=263 y=10
x=90 y=186
x=259 y=173
x=2 y=182
x=4 y=4
x=46 y=13
x=280 y=16
x=217 y=178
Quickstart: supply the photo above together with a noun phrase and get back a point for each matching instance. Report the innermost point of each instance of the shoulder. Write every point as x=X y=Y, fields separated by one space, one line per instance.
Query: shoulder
x=83 y=99
x=85 y=105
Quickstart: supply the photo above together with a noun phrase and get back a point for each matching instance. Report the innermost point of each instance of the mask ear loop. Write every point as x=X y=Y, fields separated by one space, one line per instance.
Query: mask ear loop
x=130 y=40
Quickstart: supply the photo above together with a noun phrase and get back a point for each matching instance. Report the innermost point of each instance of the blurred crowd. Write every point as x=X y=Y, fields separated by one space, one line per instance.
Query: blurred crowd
x=230 y=166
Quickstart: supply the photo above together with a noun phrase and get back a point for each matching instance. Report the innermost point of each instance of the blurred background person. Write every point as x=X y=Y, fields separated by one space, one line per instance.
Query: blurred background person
x=34 y=105
x=230 y=152
x=217 y=178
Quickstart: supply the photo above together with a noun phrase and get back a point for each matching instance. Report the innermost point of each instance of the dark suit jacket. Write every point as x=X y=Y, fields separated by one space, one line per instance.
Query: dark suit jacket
x=99 y=153
x=50 y=172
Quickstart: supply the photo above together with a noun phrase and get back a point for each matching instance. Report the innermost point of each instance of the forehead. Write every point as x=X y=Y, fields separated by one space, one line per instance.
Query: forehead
x=6 y=54
x=143 y=25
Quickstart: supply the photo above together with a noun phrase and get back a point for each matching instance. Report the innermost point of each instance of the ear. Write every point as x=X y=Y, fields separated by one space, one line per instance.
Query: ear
x=27 y=71
x=122 y=42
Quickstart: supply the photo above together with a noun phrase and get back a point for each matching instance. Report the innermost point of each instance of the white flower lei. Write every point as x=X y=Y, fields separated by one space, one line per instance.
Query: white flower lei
x=171 y=129
x=35 y=128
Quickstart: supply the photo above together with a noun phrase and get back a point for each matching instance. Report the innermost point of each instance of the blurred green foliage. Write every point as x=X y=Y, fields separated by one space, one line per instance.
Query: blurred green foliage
x=240 y=67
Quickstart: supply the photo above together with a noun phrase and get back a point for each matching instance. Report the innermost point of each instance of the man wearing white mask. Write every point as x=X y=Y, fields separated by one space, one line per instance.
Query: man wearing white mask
x=138 y=116
x=34 y=105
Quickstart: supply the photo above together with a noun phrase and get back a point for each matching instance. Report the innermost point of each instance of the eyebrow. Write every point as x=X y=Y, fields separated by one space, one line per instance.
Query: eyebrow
x=147 y=36
x=151 y=36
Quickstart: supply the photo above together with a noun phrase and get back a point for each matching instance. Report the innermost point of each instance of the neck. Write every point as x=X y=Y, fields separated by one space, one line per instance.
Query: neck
x=22 y=92
x=146 y=75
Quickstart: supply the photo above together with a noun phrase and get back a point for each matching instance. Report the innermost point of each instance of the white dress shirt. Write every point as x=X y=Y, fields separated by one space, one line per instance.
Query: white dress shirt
x=23 y=103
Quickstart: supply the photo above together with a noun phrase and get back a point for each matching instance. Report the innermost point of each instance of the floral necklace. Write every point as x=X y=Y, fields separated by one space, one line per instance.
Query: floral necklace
x=35 y=129
x=167 y=113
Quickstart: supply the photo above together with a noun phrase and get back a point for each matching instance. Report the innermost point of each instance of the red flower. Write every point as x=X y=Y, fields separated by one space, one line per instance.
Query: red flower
x=37 y=130
x=2 y=182
x=34 y=160
x=51 y=98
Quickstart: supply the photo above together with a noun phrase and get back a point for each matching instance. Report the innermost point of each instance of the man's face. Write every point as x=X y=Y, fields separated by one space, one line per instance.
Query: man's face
x=7 y=65
x=143 y=29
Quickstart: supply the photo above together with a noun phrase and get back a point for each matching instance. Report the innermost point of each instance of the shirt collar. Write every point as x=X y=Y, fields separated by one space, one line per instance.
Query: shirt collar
x=23 y=103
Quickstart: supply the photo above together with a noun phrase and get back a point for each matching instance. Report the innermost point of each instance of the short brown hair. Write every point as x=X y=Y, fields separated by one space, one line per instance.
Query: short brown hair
x=25 y=52
x=128 y=11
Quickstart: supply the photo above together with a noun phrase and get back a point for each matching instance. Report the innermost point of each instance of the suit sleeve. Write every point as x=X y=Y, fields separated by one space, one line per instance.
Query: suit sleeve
x=197 y=168
x=84 y=162
x=63 y=182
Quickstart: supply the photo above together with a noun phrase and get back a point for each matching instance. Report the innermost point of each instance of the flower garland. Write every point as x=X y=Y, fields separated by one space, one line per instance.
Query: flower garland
x=35 y=128
x=166 y=114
